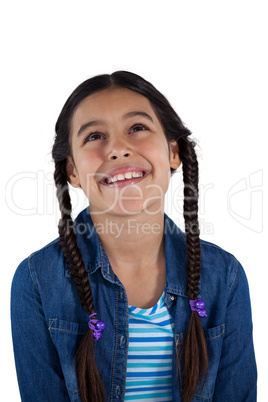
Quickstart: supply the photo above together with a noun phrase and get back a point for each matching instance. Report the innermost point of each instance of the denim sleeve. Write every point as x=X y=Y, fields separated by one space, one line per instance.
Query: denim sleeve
x=237 y=373
x=38 y=370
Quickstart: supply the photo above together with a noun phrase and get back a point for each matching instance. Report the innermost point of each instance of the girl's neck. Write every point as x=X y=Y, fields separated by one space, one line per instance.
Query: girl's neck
x=132 y=242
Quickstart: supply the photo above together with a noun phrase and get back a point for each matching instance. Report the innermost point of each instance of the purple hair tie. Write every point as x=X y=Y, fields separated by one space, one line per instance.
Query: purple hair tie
x=198 y=306
x=97 y=326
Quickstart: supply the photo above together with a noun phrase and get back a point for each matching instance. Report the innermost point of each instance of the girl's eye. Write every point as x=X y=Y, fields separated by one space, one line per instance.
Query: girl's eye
x=94 y=136
x=98 y=136
x=138 y=127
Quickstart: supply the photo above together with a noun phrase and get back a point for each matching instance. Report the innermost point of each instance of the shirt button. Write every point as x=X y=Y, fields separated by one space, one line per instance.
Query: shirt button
x=117 y=391
x=122 y=341
x=172 y=297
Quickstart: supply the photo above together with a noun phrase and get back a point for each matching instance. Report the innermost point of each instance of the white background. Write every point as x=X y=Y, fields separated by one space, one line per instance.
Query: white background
x=208 y=57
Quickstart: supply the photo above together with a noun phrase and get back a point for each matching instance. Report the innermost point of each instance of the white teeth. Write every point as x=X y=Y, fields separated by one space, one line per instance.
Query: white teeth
x=128 y=175
x=136 y=174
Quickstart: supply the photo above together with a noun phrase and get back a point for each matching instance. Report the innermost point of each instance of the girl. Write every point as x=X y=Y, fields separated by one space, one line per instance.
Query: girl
x=124 y=305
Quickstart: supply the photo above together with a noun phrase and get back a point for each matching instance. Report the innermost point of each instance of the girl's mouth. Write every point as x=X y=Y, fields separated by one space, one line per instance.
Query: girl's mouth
x=121 y=180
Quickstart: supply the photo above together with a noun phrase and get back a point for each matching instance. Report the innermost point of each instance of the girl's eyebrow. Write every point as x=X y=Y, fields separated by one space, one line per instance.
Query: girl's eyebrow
x=137 y=113
x=101 y=122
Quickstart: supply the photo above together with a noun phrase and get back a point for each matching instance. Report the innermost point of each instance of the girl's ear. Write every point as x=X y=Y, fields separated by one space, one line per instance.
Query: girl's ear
x=174 y=159
x=72 y=174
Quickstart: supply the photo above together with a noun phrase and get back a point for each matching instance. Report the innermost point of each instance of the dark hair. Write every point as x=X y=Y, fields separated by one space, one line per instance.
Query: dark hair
x=193 y=350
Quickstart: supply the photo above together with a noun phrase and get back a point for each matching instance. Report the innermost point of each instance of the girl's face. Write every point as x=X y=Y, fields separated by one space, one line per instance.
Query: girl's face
x=120 y=155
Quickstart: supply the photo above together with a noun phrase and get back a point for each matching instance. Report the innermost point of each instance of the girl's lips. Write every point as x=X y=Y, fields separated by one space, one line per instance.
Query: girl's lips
x=125 y=182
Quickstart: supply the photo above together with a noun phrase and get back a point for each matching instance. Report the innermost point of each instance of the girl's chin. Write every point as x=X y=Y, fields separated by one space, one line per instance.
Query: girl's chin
x=122 y=210
x=125 y=209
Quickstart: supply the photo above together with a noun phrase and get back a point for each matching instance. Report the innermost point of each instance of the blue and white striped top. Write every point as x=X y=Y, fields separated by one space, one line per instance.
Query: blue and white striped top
x=149 y=361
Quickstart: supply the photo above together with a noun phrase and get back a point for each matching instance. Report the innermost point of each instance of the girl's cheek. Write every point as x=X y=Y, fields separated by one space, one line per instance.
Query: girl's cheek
x=93 y=154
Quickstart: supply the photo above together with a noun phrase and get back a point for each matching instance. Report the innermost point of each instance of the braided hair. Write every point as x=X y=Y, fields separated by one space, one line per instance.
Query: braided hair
x=193 y=350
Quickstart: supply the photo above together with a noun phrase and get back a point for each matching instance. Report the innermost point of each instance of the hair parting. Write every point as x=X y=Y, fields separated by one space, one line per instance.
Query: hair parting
x=193 y=350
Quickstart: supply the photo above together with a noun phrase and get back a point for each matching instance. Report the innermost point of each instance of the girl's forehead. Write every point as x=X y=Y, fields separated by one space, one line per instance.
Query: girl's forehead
x=109 y=102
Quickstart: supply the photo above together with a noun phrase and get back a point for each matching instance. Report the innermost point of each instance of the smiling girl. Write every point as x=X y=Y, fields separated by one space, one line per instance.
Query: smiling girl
x=124 y=305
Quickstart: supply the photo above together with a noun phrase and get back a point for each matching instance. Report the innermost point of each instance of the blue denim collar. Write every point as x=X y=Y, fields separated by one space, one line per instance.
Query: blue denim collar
x=175 y=253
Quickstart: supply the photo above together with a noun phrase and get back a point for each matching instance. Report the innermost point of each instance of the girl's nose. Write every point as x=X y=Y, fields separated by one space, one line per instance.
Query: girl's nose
x=119 y=149
x=116 y=155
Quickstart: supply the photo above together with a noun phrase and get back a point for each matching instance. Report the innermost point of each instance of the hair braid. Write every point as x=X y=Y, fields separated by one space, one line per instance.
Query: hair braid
x=193 y=348
x=190 y=178
x=90 y=384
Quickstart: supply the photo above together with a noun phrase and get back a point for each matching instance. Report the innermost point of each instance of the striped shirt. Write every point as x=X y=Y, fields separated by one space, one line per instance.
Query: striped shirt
x=149 y=361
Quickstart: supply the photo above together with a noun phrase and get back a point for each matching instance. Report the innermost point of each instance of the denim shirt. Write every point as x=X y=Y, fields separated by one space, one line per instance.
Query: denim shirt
x=48 y=320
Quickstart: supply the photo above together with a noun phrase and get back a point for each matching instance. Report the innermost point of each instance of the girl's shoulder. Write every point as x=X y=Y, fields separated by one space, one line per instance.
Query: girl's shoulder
x=49 y=249
x=45 y=255
x=177 y=237
x=43 y=264
x=220 y=267
x=215 y=250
